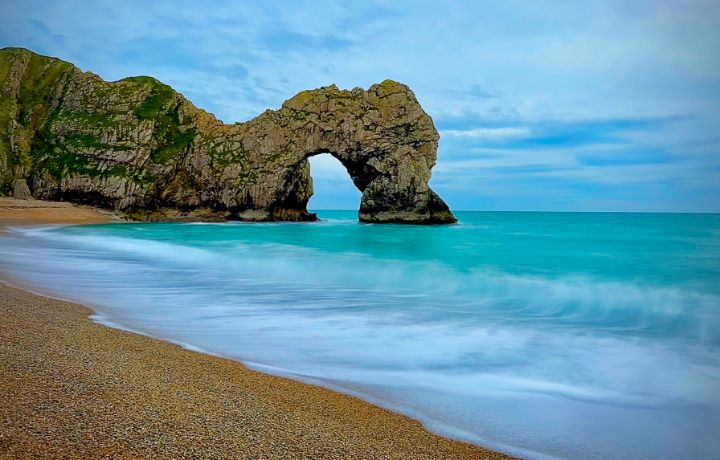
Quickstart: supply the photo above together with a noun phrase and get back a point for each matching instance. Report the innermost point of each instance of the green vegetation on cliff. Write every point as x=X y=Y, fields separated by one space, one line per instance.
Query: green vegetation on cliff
x=48 y=137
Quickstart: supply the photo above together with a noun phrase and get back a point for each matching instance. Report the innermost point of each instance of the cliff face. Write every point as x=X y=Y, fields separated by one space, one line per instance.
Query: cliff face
x=139 y=147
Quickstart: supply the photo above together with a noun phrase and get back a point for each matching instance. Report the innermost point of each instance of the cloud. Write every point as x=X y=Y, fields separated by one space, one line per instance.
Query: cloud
x=487 y=133
x=288 y=40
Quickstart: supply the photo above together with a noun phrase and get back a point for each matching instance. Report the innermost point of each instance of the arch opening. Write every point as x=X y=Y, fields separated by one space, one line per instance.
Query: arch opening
x=333 y=187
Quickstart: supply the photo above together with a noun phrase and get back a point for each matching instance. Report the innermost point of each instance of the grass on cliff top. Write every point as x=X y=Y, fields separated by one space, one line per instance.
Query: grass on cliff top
x=176 y=142
x=37 y=82
x=6 y=59
x=41 y=75
x=47 y=153
x=156 y=101
x=172 y=139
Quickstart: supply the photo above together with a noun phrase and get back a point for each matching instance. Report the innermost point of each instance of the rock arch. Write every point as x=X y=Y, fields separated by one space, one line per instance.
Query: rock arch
x=138 y=146
x=382 y=137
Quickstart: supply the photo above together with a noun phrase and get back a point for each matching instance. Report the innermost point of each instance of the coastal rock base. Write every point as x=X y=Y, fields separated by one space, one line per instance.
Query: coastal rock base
x=21 y=191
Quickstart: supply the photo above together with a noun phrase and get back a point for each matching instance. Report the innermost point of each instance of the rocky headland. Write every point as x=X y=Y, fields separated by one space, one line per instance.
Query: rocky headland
x=142 y=149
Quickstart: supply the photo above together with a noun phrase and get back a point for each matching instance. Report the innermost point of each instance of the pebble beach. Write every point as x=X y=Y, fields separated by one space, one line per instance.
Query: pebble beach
x=76 y=389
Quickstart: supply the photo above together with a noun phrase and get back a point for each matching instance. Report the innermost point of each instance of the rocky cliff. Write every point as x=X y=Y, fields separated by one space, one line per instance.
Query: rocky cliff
x=139 y=147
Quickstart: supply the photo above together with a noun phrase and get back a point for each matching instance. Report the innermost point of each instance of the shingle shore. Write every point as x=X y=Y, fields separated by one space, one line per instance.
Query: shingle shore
x=71 y=388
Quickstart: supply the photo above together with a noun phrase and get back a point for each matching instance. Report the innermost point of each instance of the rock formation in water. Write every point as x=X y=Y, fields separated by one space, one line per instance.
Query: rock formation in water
x=139 y=147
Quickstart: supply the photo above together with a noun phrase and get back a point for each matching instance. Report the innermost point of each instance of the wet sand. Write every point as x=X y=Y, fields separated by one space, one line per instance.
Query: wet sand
x=72 y=388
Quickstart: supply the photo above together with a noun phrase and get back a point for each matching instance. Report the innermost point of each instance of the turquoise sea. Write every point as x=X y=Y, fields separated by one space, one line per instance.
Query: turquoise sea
x=571 y=335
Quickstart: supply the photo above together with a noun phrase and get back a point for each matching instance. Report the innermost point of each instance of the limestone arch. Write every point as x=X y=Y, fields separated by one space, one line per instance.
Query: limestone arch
x=382 y=137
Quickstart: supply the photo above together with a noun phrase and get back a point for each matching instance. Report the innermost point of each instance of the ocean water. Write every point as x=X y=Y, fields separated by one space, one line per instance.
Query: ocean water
x=571 y=335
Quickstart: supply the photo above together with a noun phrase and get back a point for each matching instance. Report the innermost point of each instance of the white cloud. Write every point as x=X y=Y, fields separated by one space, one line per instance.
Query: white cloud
x=487 y=133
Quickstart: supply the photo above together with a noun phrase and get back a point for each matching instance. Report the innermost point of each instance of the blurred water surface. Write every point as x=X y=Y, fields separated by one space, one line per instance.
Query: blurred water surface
x=567 y=335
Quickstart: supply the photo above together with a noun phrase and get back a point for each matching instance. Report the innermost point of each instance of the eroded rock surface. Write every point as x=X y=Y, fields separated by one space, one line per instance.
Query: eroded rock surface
x=21 y=191
x=139 y=147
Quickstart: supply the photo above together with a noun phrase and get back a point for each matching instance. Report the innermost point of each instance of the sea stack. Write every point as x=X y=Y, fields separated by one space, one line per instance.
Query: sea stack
x=141 y=148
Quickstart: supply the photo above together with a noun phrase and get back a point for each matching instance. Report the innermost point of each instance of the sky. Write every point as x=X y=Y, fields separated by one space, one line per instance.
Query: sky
x=541 y=105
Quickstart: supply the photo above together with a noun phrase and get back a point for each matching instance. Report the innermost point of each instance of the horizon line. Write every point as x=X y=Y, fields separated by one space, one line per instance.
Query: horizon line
x=539 y=211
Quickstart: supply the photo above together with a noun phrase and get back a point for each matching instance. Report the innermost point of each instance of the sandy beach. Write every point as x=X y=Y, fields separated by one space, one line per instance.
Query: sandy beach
x=37 y=212
x=76 y=389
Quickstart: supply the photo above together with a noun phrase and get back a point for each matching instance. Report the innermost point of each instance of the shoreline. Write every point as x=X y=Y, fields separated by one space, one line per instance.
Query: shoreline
x=78 y=388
